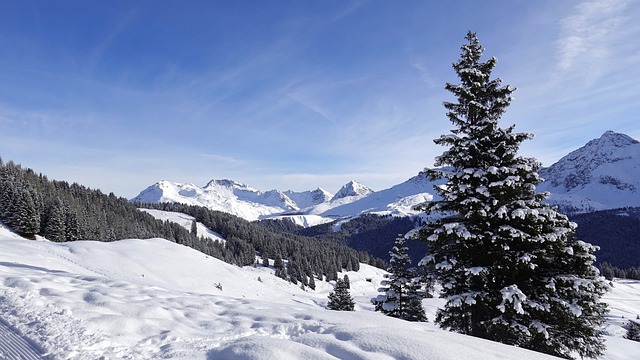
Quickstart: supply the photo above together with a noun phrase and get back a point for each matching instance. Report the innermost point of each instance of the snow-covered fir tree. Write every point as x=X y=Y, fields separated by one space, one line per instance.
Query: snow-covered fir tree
x=55 y=225
x=633 y=332
x=510 y=267
x=194 y=228
x=340 y=298
x=401 y=292
x=278 y=264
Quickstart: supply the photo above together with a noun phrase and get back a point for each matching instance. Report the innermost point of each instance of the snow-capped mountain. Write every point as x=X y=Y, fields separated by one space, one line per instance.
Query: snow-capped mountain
x=603 y=174
x=352 y=188
x=398 y=200
x=305 y=208
x=222 y=195
x=305 y=199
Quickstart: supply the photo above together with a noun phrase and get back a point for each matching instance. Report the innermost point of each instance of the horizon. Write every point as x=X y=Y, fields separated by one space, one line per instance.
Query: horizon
x=295 y=96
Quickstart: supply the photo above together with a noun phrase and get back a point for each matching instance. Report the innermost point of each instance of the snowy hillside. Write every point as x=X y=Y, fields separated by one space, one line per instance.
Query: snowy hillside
x=603 y=174
x=398 y=200
x=143 y=299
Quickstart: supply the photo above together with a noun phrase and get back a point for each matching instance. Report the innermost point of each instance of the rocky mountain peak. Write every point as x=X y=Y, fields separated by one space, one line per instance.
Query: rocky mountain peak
x=225 y=183
x=352 y=188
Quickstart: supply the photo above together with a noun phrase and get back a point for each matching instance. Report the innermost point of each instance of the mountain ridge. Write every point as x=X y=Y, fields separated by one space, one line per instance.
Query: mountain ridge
x=602 y=174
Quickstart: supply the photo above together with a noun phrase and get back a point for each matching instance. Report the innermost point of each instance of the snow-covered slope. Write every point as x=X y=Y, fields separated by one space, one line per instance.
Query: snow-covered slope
x=144 y=299
x=185 y=221
x=603 y=174
x=398 y=200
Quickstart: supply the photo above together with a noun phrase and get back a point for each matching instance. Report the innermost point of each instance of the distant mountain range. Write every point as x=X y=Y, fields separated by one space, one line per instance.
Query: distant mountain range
x=603 y=174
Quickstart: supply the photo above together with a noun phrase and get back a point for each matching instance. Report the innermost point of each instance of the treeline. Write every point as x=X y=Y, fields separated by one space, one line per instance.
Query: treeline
x=372 y=233
x=616 y=232
x=33 y=205
x=609 y=272
x=305 y=257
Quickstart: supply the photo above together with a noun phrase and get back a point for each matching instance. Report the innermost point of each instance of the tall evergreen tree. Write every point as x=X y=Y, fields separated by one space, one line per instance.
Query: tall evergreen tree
x=194 y=228
x=510 y=268
x=401 y=296
x=28 y=221
x=278 y=264
x=340 y=299
x=54 y=229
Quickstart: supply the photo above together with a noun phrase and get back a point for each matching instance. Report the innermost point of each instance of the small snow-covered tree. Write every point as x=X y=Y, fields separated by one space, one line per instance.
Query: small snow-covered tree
x=401 y=292
x=340 y=298
x=194 y=228
x=510 y=267
x=633 y=332
x=278 y=264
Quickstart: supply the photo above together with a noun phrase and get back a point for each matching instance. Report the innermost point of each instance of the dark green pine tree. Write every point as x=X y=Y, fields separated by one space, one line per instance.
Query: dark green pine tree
x=28 y=220
x=340 y=299
x=194 y=228
x=510 y=268
x=346 y=281
x=401 y=292
x=278 y=263
x=633 y=333
x=312 y=282
x=54 y=228
x=72 y=226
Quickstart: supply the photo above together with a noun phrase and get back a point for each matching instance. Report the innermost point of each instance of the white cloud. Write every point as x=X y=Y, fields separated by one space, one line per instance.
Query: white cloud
x=222 y=158
x=590 y=37
x=425 y=74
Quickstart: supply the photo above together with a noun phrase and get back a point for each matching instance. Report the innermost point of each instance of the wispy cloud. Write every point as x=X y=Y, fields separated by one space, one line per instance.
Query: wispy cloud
x=122 y=24
x=311 y=105
x=222 y=158
x=348 y=10
x=425 y=75
x=589 y=37
x=41 y=119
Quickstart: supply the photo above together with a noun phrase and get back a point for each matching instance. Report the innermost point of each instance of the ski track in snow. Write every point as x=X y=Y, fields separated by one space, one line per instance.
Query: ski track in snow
x=14 y=346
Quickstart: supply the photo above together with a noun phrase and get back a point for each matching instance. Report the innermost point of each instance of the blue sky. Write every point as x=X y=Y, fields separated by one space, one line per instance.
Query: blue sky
x=117 y=95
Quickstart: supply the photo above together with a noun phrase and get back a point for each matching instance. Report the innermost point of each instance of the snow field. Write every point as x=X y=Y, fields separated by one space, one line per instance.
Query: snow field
x=143 y=299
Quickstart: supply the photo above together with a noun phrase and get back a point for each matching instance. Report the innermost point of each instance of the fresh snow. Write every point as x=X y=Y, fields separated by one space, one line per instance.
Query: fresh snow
x=305 y=220
x=185 y=221
x=399 y=200
x=143 y=299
